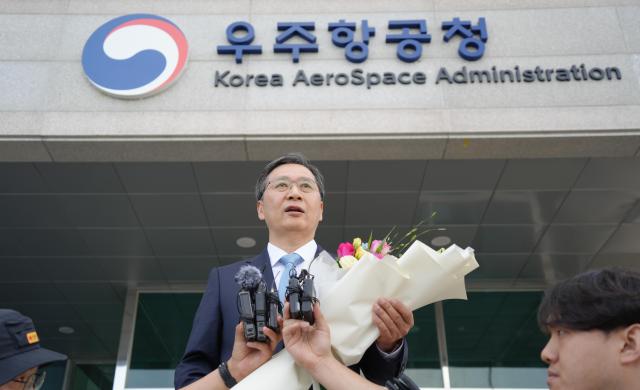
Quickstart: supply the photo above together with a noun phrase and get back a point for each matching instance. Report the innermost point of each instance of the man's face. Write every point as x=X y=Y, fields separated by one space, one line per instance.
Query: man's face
x=293 y=210
x=13 y=385
x=581 y=360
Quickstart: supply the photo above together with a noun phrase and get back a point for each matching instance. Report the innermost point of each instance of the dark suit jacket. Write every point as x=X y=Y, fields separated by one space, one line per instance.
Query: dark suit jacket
x=213 y=331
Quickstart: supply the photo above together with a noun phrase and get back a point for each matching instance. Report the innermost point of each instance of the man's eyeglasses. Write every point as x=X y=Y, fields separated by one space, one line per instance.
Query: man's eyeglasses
x=33 y=381
x=285 y=185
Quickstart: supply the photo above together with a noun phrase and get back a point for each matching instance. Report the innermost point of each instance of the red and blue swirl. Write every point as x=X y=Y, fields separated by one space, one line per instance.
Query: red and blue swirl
x=134 y=56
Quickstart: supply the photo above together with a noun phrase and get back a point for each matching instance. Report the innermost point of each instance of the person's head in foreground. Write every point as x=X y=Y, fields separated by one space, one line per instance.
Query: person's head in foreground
x=593 y=321
x=21 y=354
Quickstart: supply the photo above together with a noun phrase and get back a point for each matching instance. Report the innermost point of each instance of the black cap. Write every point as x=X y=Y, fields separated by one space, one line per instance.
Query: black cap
x=20 y=346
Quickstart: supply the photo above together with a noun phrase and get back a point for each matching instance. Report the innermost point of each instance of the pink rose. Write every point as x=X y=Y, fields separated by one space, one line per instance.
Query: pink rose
x=345 y=249
x=380 y=249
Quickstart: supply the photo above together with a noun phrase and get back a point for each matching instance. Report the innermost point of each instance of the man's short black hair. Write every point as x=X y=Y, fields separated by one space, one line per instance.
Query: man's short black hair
x=289 y=158
x=605 y=299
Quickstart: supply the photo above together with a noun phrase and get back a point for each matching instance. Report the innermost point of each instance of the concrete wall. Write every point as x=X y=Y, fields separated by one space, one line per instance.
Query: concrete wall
x=50 y=112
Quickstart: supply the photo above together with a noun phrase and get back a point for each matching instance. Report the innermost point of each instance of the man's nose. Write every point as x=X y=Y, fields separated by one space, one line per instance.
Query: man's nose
x=548 y=354
x=294 y=192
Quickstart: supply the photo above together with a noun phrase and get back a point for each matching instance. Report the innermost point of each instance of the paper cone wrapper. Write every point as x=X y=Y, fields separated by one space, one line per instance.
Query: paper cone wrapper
x=420 y=277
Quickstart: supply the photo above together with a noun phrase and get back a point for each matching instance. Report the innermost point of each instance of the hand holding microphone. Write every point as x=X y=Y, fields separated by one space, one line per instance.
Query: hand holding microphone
x=254 y=343
x=247 y=356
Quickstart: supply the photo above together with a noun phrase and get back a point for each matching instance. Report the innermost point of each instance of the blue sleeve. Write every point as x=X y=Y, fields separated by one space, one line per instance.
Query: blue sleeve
x=202 y=354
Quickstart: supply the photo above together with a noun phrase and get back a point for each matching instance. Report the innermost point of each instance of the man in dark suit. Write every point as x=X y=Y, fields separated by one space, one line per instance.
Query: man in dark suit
x=289 y=193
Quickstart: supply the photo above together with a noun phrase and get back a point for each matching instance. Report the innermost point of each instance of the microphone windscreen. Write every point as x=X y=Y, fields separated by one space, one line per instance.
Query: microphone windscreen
x=248 y=277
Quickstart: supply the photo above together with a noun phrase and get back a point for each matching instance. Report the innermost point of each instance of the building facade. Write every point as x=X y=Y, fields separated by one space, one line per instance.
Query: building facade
x=131 y=133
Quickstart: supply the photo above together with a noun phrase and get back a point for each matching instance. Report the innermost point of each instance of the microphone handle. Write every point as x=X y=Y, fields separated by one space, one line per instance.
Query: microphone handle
x=307 y=300
x=293 y=297
x=273 y=303
x=247 y=315
x=261 y=315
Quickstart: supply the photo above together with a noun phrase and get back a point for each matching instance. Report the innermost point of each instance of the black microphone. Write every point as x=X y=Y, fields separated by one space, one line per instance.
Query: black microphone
x=308 y=296
x=248 y=278
x=275 y=308
x=293 y=295
x=261 y=310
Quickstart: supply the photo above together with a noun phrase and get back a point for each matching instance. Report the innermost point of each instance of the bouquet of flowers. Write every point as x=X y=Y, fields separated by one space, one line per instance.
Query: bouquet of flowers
x=418 y=277
x=350 y=252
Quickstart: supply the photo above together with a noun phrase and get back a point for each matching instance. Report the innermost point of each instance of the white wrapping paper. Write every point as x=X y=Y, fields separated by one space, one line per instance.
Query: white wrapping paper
x=421 y=276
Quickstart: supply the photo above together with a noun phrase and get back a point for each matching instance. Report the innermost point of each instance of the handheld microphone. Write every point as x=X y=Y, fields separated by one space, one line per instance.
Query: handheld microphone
x=293 y=295
x=274 y=307
x=248 y=278
x=261 y=310
x=301 y=296
x=308 y=296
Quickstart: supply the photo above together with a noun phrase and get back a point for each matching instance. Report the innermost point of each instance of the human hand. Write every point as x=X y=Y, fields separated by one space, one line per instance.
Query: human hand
x=394 y=320
x=308 y=344
x=248 y=356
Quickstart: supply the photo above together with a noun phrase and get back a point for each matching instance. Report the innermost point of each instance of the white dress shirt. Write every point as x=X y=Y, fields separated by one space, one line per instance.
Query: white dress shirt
x=307 y=252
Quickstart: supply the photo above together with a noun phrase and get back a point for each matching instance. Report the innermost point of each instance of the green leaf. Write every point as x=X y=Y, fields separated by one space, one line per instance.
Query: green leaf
x=386 y=238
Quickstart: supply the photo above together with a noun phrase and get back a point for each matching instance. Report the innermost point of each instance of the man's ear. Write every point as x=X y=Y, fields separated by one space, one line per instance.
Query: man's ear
x=260 y=210
x=630 y=353
x=321 y=209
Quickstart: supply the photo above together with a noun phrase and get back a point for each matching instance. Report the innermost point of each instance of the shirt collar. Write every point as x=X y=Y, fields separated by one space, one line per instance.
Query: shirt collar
x=307 y=252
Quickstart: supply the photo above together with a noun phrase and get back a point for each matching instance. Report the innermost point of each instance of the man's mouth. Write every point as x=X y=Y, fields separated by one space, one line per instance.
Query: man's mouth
x=293 y=209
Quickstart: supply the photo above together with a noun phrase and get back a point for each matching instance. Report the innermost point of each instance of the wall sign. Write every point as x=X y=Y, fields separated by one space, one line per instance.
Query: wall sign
x=138 y=55
x=135 y=56
x=413 y=33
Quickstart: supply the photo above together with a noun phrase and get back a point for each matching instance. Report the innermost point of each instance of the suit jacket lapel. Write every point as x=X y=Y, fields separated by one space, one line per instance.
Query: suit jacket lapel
x=263 y=263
